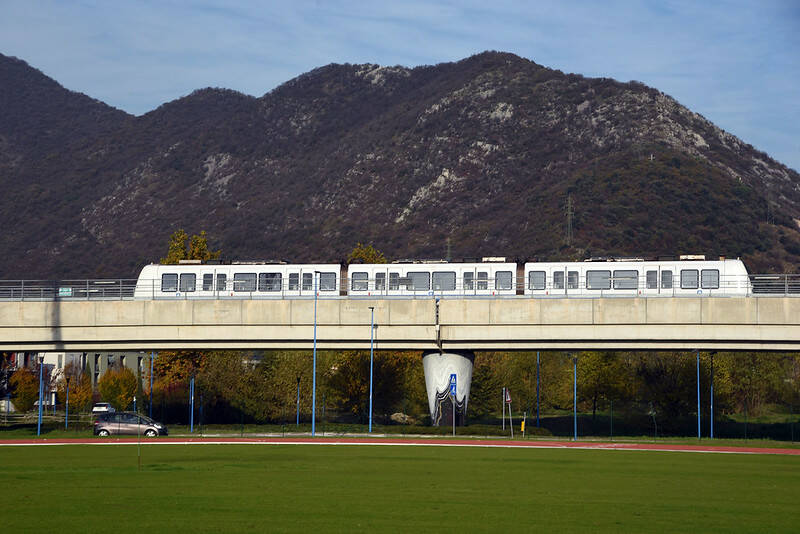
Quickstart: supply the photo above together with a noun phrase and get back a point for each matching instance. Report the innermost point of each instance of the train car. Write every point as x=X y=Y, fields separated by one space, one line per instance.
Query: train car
x=244 y=280
x=688 y=276
x=426 y=278
x=492 y=278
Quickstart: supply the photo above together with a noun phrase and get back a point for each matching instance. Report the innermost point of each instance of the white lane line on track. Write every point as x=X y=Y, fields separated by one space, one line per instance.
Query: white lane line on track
x=399 y=443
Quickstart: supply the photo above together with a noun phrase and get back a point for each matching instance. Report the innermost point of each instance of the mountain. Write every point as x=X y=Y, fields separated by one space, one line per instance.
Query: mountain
x=474 y=158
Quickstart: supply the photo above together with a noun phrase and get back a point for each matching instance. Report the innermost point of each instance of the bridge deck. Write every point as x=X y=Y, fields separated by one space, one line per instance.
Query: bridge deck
x=747 y=323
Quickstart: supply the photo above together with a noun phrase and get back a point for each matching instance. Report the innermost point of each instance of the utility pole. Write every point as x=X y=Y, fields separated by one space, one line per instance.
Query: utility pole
x=570 y=213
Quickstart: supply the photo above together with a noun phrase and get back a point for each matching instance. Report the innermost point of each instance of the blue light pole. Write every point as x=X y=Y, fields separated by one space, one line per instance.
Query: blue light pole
x=698 y=393
x=66 y=408
x=191 y=405
x=152 y=357
x=574 y=398
x=371 y=354
x=711 y=436
x=537 y=389
x=41 y=393
x=314 y=368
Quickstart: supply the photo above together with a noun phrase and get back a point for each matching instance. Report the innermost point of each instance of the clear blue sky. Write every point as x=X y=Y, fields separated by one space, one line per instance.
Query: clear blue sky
x=735 y=62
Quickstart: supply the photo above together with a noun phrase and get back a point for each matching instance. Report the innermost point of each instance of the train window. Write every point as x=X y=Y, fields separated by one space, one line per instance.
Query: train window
x=598 y=279
x=244 y=281
x=222 y=282
x=444 y=281
x=558 y=279
x=359 y=281
x=536 y=279
x=208 y=281
x=483 y=281
x=270 y=281
x=169 y=282
x=666 y=279
x=572 y=280
x=651 y=279
x=327 y=281
x=294 y=281
x=308 y=282
x=380 y=281
x=420 y=281
x=469 y=281
x=502 y=280
x=626 y=279
x=709 y=279
x=394 y=281
x=188 y=282
x=689 y=279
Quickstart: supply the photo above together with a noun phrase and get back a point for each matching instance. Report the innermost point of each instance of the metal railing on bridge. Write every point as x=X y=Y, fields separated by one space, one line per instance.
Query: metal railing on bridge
x=126 y=289
x=110 y=289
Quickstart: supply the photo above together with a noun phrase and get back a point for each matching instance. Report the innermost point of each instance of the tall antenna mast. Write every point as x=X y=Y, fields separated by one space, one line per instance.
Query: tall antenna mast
x=570 y=213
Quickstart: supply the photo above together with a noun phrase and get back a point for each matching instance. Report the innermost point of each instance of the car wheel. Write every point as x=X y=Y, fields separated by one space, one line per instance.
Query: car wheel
x=103 y=432
x=150 y=433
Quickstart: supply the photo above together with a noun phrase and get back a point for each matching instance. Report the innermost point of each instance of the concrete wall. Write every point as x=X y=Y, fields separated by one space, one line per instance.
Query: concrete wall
x=752 y=323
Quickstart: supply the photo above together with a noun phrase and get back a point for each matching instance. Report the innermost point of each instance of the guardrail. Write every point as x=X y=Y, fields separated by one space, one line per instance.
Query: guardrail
x=111 y=289
x=126 y=289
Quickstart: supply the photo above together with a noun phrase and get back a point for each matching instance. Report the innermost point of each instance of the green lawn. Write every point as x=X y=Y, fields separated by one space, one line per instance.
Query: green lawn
x=343 y=488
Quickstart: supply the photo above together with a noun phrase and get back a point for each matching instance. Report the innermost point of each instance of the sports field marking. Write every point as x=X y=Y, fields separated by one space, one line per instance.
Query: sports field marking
x=654 y=447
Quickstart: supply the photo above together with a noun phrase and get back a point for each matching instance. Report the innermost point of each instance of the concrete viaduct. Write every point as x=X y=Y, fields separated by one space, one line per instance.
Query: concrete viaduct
x=747 y=323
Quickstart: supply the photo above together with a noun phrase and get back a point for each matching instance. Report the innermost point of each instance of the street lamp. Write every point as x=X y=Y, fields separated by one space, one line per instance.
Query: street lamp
x=698 y=393
x=712 y=395
x=314 y=368
x=537 y=389
x=152 y=357
x=41 y=393
x=371 y=354
x=574 y=398
x=66 y=407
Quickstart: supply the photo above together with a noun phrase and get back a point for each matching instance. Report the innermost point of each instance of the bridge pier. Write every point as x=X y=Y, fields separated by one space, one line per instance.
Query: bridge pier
x=438 y=368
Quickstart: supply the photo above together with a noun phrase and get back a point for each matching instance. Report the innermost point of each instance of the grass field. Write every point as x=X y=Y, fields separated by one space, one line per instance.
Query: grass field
x=343 y=488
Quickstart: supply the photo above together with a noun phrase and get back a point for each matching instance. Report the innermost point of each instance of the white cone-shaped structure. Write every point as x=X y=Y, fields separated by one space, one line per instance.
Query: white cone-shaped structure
x=438 y=368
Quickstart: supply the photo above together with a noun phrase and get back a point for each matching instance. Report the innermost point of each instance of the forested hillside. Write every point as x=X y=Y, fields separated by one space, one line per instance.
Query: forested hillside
x=475 y=158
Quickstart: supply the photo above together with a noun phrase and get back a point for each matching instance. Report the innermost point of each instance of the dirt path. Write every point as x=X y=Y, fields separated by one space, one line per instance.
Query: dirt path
x=430 y=442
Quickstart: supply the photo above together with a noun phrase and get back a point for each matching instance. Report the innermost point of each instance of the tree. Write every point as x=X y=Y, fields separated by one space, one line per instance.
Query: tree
x=179 y=366
x=177 y=248
x=5 y=373
x=118 y=386
x=602 y=376
x=366 y=254
x=198 y=248
x=25 y=385
x=349 y=382
x=80 y=387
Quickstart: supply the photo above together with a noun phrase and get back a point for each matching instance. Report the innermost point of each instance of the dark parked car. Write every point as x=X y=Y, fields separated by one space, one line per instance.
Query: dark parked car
x=107 y=424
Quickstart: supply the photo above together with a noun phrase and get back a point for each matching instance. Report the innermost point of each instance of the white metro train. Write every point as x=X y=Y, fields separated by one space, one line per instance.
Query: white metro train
x=492 y=277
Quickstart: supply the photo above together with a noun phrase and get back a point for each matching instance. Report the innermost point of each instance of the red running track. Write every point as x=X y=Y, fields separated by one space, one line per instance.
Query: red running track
x=431 y=442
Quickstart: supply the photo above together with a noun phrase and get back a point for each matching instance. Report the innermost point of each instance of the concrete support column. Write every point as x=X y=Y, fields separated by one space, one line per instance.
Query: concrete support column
x=438 y=368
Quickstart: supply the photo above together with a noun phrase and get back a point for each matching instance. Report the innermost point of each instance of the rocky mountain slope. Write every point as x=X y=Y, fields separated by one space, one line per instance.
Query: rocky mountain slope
x=472 y=158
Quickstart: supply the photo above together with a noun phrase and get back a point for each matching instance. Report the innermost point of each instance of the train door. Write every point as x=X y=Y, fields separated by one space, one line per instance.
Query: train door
x=380 y=276
x=206 y=288
x=223 y=287
x=468 y=281
x=292 y=283
x=306 y=282
x=560 y=281
x=652 y=275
